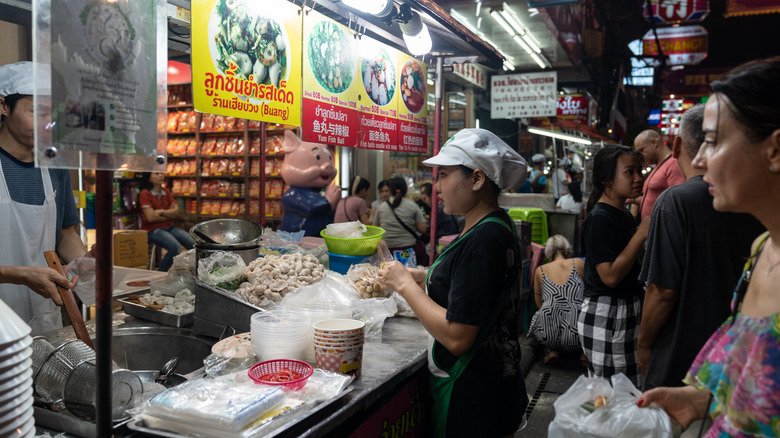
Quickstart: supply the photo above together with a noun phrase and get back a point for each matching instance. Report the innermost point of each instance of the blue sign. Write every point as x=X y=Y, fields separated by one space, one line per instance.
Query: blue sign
x=654 y=118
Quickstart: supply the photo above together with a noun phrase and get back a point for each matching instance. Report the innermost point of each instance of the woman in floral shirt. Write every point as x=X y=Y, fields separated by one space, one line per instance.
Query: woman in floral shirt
x=736 y=376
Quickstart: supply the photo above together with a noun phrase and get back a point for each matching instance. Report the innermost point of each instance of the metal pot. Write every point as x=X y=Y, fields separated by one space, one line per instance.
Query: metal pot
x=227 y=234
x=249 y=254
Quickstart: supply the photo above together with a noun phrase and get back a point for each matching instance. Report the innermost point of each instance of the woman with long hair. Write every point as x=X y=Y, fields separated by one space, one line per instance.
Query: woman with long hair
x=735 y=379
x=402 y=221
x=353 y=207
x=158 y=209
x=469 y=300
x=383 y=189
x=608 y=324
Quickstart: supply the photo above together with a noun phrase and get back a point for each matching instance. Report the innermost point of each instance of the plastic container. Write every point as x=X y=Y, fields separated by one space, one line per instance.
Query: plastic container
x=258 y=373
x=317 y=311
x=279 y=335
x=341 y=263
x=362 y=246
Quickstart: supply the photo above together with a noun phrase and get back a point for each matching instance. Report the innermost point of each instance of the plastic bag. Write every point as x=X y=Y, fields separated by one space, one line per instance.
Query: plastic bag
x=579 y=411
x=346 y=230
x=363 y=276
x=222 y=269
x=373 y=313
x=84 y=267
x=234 y=355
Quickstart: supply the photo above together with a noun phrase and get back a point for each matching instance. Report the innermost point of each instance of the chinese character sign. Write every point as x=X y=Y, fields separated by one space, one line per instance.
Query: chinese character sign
x=523 y=95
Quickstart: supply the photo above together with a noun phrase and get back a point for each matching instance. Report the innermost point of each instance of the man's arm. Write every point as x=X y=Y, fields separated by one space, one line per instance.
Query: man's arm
x=658 y=307
x=70 y=245
x=40 y=279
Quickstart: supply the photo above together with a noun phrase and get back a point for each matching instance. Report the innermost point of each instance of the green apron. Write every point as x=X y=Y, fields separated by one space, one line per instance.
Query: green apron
x=441 y=382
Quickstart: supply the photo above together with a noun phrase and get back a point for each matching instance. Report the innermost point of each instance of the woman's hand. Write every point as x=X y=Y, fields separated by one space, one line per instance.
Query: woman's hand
x=395 y=276
x=684 y=405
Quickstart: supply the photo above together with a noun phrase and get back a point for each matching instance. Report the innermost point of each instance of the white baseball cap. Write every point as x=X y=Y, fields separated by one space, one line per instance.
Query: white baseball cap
x=481 y=149
x=17 y=78
x=538 y=158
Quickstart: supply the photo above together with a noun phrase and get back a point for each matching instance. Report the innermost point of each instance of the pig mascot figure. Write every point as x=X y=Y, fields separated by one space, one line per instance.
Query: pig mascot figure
x=307 y=169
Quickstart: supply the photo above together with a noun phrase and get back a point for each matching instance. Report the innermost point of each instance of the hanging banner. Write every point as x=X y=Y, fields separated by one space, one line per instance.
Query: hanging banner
x=573 y=107
x=684 y=45
x=413 y=109
x=330 y=82
x=735 y=8
x=523 y=95
x=378 y=96
x=246 y=59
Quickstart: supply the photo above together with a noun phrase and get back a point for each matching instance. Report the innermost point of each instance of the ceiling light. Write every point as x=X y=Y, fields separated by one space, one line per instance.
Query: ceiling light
x=378 y=8
x=538 y=60
x=497 y=16
x=519 y=40
x=416 y=35
x=508 y=65
x=516 y=25
x=531 y=43
x=559 y=135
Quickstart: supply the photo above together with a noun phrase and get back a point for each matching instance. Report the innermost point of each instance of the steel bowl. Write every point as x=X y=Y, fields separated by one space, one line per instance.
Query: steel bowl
x=228 y=234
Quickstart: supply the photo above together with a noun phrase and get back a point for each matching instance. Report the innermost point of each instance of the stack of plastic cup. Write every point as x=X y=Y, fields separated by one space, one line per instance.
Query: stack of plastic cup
x=279 y=335
x=317 y=311
x=338 y=345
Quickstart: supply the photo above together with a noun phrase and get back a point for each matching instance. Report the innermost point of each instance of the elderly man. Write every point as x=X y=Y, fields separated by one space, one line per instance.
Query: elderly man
x=665 y=174
x=693 y=260
x=37 y=211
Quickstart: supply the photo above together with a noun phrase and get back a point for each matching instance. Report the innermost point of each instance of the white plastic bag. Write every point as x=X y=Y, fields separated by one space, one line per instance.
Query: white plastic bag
x=222 y=269
x=346 y=230
x=577 y=416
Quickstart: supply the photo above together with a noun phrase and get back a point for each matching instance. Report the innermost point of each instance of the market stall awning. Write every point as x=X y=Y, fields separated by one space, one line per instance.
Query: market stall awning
x=571 y=125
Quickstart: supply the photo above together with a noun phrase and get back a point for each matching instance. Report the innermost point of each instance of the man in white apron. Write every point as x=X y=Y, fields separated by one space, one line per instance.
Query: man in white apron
x=37 y=211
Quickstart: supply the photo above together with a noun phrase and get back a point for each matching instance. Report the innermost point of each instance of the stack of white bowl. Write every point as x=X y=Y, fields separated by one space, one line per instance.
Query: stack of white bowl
x=279 y=335
x=317 y=311
x=16 y=392
x=338 y=345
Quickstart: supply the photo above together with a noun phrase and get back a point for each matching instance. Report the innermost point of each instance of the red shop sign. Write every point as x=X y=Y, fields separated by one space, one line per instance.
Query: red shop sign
x=684 y=45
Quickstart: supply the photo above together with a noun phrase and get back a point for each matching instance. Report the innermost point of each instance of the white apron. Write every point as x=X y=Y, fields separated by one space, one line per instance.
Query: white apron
x=30 y=230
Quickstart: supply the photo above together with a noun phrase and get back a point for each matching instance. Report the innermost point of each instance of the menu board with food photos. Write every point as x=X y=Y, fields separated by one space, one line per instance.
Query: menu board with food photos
x=246 y=59
x=413 y=109
x=330 y=82
x=378 y=96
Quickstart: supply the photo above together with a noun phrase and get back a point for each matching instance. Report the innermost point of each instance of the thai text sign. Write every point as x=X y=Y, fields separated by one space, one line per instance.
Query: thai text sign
x=573 y=107
x=685 y=45
x=523 y=95
x=246 y=59
x=673 y=11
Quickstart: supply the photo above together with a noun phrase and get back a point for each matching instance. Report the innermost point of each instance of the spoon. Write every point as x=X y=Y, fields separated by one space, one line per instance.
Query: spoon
x=166 y=371
x=206 y=238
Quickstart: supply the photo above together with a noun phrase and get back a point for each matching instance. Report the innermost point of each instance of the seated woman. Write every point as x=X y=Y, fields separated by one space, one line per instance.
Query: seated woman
x=558 y=292
x=353 y=207
x=157 y=209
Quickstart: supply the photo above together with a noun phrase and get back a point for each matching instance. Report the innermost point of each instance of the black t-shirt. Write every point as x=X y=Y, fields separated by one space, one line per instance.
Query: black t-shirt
x=607 y=231
x=489 y=397
x=698 y=252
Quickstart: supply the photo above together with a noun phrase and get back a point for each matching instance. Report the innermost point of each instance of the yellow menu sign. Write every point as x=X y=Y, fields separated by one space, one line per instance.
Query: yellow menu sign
x=246 y=59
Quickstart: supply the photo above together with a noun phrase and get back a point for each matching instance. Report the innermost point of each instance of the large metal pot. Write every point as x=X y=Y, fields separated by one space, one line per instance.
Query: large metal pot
x=233 y=235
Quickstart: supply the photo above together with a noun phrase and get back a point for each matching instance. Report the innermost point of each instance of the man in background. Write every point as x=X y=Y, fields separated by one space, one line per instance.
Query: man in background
x=693 y=260
x=665 y=174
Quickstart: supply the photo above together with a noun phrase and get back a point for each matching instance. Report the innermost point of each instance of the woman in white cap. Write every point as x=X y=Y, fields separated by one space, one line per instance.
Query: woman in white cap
x=37 y=210
x=468 y=301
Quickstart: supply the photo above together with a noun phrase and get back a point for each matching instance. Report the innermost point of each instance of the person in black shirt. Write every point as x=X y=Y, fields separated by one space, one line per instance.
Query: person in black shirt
x=469 y=300
x=608 y=324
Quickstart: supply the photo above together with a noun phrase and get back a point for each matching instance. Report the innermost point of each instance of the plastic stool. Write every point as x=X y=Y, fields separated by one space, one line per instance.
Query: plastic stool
x=537 y=217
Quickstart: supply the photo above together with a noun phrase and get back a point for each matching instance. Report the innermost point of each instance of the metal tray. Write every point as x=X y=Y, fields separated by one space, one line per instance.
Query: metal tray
x=219 y=313
x=158 y=316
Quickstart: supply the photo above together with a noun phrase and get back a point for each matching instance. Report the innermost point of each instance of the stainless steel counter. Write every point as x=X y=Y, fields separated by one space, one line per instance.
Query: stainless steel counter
x=389 y=361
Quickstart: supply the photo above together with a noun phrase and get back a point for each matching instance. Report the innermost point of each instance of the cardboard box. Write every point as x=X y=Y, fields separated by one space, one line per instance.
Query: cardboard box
x=131 y=248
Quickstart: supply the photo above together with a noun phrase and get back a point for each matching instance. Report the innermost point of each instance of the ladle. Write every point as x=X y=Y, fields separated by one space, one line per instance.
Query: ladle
x=166 y=371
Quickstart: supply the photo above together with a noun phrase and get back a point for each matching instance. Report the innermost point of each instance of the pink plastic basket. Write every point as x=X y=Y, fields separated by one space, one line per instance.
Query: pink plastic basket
x=264 y=373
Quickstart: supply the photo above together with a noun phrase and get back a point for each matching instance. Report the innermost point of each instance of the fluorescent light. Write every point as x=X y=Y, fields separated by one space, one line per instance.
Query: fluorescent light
x=508 y=65
x=538 y=60
x=548 y=133
x=497 y=16
x=518 y=27
x=531 y=43
x=479 y=6
x=519 y=40
x=379 y=8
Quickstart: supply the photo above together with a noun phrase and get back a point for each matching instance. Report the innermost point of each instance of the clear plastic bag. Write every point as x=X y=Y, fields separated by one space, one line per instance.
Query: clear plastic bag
x=373 y=313
x=84 y=267
x=593 y=408
x=363 y=277
x=346 y=230
x=222 y=269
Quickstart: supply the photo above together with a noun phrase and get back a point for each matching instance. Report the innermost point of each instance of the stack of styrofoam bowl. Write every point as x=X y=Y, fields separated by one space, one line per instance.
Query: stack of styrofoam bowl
x=16 y=392
x=338 y=345
x=316 y=311
x=279 y=335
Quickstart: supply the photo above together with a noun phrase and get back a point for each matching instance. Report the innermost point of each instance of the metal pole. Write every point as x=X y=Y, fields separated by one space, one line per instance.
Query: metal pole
x=104 y=267
x=439 y=80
